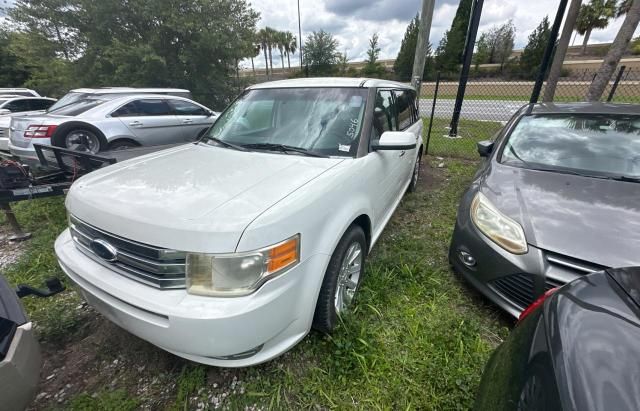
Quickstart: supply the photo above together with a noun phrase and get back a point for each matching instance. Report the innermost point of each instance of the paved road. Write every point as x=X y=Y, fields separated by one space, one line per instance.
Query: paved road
x=490 y=110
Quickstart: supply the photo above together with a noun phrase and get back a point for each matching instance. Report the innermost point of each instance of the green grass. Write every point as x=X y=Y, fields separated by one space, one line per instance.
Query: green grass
x=470 y=132
x=418 y=337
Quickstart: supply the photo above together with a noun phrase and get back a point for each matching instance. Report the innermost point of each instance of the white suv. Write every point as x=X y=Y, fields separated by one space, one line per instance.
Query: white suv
x=228 y=251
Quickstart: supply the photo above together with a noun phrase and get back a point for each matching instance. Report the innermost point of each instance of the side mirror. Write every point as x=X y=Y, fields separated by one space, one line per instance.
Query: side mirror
x=4 y=111
x=485 y=148
x=395 y=140
x=212 y=114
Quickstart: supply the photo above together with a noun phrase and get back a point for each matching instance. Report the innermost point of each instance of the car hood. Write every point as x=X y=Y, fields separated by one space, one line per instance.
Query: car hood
x=193 y=197
x=591 y=219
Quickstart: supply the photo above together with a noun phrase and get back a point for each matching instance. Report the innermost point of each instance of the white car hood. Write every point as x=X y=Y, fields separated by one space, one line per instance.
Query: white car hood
x=192 y=198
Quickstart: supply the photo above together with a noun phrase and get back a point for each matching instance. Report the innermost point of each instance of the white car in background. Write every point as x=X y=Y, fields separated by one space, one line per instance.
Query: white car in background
x=19 y=91
x=104 y=122
x=11 y=104
x=227 y=252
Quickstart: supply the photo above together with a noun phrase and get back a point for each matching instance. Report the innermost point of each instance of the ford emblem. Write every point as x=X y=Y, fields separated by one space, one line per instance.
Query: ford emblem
x=104 y=250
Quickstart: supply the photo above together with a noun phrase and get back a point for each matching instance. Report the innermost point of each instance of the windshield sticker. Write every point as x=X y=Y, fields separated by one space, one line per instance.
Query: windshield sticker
x=356 y=101
x=343 y=147
x=353 y=126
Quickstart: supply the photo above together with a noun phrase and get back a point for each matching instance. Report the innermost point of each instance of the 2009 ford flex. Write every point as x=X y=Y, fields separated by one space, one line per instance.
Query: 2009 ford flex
x=228 y=251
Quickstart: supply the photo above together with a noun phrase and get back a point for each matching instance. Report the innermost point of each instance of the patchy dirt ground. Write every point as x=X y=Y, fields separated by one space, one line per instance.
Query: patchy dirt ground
x=10 y=251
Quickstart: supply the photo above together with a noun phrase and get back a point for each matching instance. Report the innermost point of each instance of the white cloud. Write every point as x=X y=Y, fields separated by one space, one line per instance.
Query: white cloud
x=353 y=22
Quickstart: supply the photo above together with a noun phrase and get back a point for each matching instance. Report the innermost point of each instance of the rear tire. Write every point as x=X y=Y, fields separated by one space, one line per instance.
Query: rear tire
x=77 y=135
x=341 y=280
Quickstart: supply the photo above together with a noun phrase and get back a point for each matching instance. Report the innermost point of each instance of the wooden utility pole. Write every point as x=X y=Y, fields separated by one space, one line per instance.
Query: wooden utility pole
x=426 y=15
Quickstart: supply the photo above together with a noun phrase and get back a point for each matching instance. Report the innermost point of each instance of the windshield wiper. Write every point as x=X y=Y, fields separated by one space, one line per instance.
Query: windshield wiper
x=284 y=148
x=226 y=143
x=627 y=179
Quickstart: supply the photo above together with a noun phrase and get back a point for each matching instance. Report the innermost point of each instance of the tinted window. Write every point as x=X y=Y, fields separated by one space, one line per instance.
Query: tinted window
x=37 y=104
x=405 y=107
x=144 y=107
x=605 y=145
x=185 y=108
x=18 y=105
x=384 y=118
x=77 y=107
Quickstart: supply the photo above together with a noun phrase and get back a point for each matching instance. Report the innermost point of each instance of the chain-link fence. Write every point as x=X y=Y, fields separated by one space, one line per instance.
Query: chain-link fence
x=490 y=102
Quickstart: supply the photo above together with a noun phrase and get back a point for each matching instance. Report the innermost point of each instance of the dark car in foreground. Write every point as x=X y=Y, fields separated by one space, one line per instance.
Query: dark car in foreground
x=555 y=198
x=576 y=348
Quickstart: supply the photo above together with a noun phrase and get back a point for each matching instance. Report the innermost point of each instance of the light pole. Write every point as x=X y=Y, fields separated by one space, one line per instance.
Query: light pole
x=300 y=34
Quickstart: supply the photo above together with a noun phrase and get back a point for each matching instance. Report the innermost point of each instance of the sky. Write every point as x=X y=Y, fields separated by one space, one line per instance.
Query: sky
x=353 y=22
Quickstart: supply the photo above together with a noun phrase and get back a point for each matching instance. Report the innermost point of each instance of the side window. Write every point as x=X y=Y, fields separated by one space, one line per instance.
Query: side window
x=17 y=106
x=143 y=107
x=405 y=107
x=384 y=118
x=37 y=104
x=185 y=108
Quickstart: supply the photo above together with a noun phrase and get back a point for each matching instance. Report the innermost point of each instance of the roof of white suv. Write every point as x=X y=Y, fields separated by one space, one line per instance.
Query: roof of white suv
x=129 y=90
x=331 y=82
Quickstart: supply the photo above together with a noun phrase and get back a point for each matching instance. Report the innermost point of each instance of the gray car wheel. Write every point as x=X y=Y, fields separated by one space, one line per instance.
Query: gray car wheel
x=82 y=140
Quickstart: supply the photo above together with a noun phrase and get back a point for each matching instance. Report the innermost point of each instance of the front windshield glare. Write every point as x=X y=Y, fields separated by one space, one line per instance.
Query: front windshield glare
x=597 y=145
x=325 y=121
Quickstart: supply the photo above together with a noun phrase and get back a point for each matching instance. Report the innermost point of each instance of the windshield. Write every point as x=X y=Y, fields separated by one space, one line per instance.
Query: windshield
x=325 y=121
x=594 y=145
x=77 y=107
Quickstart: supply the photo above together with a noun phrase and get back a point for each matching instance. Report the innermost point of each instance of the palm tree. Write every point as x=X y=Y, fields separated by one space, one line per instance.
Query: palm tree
x=263 y=37
x=280 y=43
x=271 y=37
x=595 y=15
x=256 y=52
x=290 y=46
x=618 y=47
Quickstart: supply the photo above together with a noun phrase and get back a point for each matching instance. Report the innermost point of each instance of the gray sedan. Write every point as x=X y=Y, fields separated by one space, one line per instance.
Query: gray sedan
x=555 y=199
x=100 y=123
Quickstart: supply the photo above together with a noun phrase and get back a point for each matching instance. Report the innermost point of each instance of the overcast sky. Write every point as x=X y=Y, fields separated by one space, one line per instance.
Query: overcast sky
x=353 y=21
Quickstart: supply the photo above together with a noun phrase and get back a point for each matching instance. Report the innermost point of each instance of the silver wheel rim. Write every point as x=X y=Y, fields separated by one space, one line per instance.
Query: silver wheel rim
x=416 y=172
x=348 y=277
x=82 y=140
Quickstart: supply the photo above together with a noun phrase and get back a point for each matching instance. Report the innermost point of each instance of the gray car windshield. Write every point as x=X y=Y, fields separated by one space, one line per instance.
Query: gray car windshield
x=323 y=121
x=593 y=145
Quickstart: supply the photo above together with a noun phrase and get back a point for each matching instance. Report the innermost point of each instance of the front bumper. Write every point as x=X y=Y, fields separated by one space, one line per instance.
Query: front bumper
x=4 y=143
x=230 y=332
x=510 y=281
x=20 y=370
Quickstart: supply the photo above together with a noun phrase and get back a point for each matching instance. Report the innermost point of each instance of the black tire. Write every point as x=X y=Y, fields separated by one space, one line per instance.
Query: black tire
x=326 y=317
x=415 y=175
x=123 y=144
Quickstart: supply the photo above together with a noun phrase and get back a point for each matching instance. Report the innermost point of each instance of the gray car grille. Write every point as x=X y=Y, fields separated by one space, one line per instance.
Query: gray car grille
x=157 y=267
x=519 y=288
x=4 y=132
x=572 y=264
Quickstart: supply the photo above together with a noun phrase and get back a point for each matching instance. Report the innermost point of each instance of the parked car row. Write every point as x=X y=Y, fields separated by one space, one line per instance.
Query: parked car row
x=95 y=120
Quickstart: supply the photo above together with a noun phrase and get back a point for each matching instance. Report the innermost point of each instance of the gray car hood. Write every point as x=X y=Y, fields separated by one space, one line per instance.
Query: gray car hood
x=591 y=219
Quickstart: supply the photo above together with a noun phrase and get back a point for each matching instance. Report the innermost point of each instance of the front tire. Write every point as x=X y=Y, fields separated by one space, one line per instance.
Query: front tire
x=415 y=176
x=341 y=280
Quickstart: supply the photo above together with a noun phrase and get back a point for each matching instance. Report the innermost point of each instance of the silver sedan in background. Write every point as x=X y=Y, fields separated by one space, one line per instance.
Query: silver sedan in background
x=111 y=122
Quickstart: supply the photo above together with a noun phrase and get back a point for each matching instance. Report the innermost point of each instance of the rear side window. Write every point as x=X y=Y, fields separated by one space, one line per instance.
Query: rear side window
x=37 y=104
x=17 y=106
x=186 y=108
x=77 y=108
x=143 y=107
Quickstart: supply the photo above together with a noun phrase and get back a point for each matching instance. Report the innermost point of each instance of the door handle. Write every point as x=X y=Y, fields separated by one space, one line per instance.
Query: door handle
x=135 y=123
x=402 y=153
x=187 y=121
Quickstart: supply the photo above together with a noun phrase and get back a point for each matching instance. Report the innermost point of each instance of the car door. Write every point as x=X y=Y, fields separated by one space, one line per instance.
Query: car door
x=194 y=119
x=407 y=121
x=385 y=165
x=151 y=121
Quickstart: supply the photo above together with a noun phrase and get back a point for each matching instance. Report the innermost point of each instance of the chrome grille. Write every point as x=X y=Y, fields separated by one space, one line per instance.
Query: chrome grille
x=158 y=267
x=572 y=264
x=4 y=132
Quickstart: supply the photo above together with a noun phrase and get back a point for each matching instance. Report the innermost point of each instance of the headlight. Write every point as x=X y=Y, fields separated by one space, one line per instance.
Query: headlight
x=505 y=232
x=238 y=274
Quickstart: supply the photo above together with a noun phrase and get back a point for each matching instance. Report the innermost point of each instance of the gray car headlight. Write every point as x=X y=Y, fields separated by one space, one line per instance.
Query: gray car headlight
x=230 y=275
x=501 y=229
